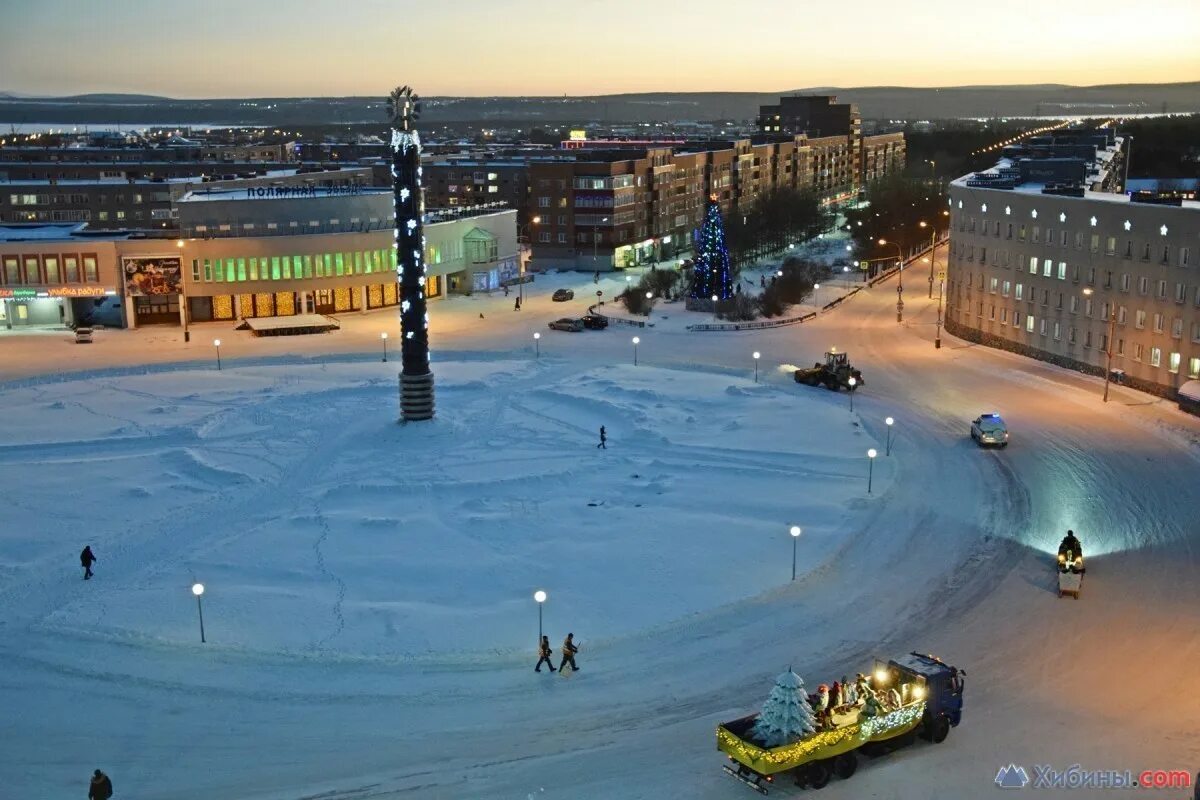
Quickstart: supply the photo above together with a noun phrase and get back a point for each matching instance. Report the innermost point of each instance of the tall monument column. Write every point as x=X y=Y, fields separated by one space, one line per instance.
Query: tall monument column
x=416 y=380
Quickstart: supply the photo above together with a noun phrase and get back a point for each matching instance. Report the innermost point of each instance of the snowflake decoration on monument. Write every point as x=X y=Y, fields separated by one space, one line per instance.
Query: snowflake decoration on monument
x=403 y=108
x=786 y=716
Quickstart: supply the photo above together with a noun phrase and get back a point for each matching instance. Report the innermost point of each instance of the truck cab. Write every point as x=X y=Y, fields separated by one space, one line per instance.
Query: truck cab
x=942 y=686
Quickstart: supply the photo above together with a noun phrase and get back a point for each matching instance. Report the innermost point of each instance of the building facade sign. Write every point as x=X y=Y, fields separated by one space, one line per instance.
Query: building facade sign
x=277 y=192
x=151 y=276
x=26 y=293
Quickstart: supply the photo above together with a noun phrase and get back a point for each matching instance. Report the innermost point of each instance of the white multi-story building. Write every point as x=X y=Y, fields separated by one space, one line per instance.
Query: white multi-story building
x=1051 y=259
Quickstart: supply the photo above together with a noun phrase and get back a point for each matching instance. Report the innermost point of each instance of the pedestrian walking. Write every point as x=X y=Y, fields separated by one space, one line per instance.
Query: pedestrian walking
x=87 y=558
x=762 y=281
x=506 y=290
x=596 y=277
x=517 y=304
x=568 y=652
x=544 y=654
x=100 y=788
x=603 y=439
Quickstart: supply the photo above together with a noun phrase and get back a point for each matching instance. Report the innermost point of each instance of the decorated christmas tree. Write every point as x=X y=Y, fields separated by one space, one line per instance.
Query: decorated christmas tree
x=711 y=276
x=786 y=716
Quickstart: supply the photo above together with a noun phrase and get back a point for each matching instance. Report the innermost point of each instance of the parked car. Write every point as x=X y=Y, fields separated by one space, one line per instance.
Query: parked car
x=562 y=295
x=567 y=324
x=83 y=335
x=989 y=429
x=594 y=322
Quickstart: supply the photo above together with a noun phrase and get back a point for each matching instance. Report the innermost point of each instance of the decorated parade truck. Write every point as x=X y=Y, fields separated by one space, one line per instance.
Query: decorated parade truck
x=803 y=738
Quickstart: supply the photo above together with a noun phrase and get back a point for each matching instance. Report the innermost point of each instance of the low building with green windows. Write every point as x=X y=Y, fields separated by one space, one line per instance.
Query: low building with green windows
x=244 y=254
x=261 y=252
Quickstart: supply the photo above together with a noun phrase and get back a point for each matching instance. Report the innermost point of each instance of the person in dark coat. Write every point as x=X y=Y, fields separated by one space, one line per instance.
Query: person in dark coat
x=568 y=652
x=544 y=654
x=603 y=440
x=87 y=558
x=517 y=304
x=100 y=788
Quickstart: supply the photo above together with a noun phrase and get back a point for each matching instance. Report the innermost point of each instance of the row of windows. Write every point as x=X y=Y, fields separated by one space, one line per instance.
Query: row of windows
x=82 y=199
x=49 y=270
x=1054 y=328
x=1147 y=250
x=1048 y=269
x=275 y=268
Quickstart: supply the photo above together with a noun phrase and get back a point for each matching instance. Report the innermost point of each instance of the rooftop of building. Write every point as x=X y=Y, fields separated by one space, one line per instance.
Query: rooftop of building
x=220 y=172
x=50 y=232
x=263 y=193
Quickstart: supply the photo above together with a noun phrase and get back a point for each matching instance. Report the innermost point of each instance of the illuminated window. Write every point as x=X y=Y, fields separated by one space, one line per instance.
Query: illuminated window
x=1173 y=362
x=358 y=262
x=339 y=264
x=1156 y=356
x=1029 y=324
x=1194 y=367
x=287 y=265
x=241 y=269
x=71 y=268
x=195 y=269
x=253 y=269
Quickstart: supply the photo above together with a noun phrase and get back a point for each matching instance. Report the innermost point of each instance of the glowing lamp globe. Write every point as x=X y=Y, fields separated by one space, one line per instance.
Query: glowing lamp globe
x=539 y=596
x=795 y=530
x=871 y=453
x=197 y=589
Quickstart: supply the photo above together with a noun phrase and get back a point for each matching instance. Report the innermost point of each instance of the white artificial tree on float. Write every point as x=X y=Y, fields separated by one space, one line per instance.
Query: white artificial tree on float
x=786 y=716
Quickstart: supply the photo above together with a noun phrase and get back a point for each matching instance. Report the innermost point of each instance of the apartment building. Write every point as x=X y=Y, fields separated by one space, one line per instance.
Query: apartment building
x=114 y=198
x=1051 y=259
x=847 y=156
x=618 y=207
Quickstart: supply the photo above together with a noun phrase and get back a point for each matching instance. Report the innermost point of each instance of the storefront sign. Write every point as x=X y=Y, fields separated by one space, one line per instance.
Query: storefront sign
x=151 y=276
x=79 y=291
x=19 y=294
x=302 y=191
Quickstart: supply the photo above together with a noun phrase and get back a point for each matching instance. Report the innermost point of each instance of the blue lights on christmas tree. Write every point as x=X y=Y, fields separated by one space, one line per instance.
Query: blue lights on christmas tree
x=711 y=275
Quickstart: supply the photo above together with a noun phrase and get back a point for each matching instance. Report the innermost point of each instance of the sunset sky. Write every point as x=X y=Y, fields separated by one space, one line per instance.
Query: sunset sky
x=233 y=48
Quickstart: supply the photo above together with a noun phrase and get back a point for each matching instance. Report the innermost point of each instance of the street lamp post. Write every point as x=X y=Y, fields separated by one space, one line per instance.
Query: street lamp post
x=521 y=266
x=899 y=281
x=537 y=345
x=540 y=597
x=817 y=295
x=871 y=468
x=183 y=305
x=198 y=589
x=756 y=357
x=932 y=254
x=716 y=316
x=217 y=344
x=596 y=242
x=937 y=341
x=383 y=338
x=795 y=531
x=852 y=382
x=1112 y=331
x=636 y=340
x=889 y=422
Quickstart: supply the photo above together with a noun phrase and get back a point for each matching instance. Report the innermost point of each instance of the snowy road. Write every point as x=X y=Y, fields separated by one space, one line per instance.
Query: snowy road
x=953 y=560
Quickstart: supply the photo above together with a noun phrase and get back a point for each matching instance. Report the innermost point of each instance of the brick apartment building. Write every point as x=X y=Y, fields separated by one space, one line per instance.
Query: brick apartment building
x=612 y=208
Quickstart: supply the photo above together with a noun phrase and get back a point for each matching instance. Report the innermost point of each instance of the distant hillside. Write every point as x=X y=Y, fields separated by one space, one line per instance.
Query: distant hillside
x=875 y=102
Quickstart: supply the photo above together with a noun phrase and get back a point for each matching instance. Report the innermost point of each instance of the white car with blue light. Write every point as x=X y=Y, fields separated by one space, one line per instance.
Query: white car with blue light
x=989 y=429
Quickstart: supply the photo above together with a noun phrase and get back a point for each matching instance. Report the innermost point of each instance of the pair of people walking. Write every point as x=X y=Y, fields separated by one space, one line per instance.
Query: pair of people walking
x=569 y=649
